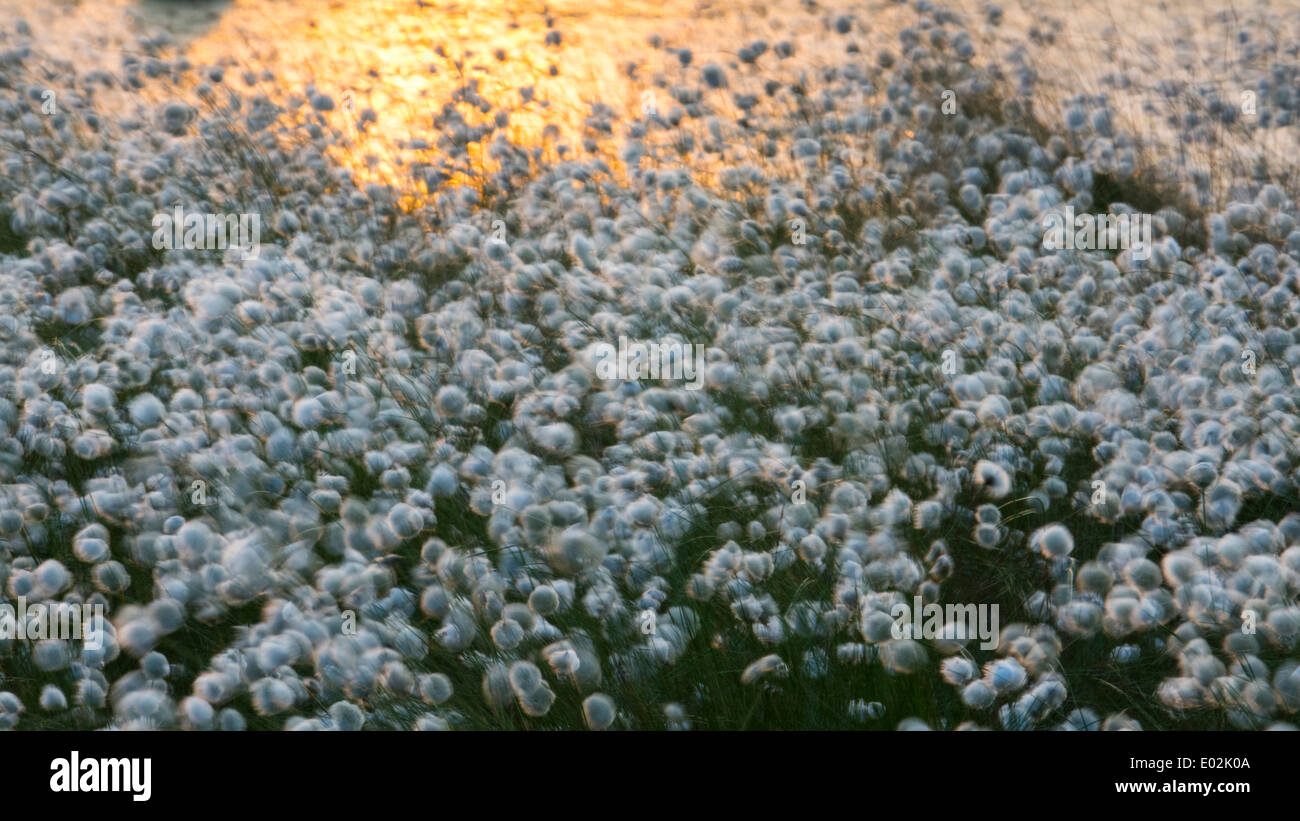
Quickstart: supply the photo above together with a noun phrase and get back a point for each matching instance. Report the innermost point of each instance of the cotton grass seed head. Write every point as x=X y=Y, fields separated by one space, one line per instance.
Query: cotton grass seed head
x=1053 y=541
x=598 y=711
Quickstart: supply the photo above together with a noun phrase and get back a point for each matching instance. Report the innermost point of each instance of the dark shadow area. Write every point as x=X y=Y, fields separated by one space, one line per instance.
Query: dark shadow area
x=184 y=20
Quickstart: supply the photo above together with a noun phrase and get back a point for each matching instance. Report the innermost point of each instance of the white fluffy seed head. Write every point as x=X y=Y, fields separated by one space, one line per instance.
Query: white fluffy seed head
x=197 y=714
x=537 y=702
x=97 y=398
x=992 y=479
x=1053 y=541
x=543 y=601
x=451 y=400
x=959 y=671
x=347 y=716
x=435 y=688
x=52 y=699
x=1005 y=675
x=507 y=634
x=599 y=711
x=524 y=677
x=979 y=695
x=51 y=655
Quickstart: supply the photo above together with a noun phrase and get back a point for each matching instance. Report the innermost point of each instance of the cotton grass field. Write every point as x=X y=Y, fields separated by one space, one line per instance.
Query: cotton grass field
x=326 y=383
